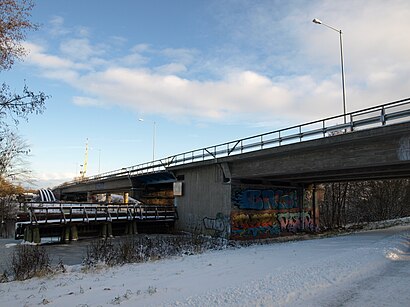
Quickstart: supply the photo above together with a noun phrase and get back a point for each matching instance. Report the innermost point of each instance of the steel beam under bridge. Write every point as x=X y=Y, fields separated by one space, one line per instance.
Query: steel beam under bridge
x=116 y=184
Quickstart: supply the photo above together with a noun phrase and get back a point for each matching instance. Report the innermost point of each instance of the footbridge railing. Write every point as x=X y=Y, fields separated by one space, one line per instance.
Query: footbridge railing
x=389 y=113
x=54 y=213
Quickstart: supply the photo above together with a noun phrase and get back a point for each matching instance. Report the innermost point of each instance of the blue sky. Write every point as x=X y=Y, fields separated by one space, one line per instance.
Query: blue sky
x=205 y=71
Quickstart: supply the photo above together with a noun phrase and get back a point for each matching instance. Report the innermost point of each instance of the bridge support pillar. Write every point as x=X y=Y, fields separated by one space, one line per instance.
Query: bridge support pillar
x=125 y=198
x=106 y=230
x=32 y=234
x=28 y=234
x=65 y=234
x=36 y=235
x=131 y=228
x=109 y=230
x=103 y=230
x=89 y=197
x=74 y=233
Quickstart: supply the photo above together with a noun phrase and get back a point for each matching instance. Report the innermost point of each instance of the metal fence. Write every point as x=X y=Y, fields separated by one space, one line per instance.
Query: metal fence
x=386 y=114
x=63 y=213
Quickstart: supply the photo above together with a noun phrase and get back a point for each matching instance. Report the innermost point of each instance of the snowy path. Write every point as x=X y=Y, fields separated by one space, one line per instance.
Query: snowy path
x=369 y=268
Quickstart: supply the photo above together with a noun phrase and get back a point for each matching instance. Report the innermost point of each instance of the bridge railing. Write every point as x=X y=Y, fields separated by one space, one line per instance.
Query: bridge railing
x=55 y=213
x=389 y=113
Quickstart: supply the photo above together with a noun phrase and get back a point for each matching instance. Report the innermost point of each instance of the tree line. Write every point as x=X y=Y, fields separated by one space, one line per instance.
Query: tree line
x=364 y=201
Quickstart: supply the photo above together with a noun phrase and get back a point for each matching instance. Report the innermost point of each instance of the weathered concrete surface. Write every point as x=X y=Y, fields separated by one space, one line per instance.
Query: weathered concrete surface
x=376 y=153
x=206 y=202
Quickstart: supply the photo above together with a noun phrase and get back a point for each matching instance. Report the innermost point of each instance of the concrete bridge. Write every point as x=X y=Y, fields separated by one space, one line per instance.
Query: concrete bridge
x=264 y=186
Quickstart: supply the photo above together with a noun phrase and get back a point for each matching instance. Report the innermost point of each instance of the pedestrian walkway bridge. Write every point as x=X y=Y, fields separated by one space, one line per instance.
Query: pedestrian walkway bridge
x=69 y=220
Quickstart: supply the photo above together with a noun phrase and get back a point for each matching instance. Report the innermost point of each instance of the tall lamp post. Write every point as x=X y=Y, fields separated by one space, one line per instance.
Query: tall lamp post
x=153 y=137
x=319 y=22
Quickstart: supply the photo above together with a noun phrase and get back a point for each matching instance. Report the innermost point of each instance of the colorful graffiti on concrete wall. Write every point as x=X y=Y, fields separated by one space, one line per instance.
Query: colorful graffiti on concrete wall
x=265 y=199
x=254 y=225
x=263 y=213
x=295 y=221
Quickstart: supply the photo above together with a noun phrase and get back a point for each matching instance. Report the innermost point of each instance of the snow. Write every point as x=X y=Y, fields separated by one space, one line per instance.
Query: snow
x=369 y=268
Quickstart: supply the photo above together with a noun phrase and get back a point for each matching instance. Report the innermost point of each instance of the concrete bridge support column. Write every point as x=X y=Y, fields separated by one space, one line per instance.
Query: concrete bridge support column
x=106 y=230
x=109 y=230
x=36 y=235
x=28 y=234
x=131 y=228
x=74 y=233
x=89 y=197
x=65 y=234
x=32 y=234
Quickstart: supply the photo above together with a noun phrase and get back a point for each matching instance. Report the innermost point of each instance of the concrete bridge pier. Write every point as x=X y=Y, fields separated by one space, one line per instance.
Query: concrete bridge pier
x=65 y=234
x=131 y=228
x=74 y=233
x=106 y=230
x=32 y=234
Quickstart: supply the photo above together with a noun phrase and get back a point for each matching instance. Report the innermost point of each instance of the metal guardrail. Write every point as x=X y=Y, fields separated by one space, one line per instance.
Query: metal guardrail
x=68 y=213
x=389 y=113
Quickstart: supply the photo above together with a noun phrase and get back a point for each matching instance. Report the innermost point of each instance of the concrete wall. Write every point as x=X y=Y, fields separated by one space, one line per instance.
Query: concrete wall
x=206 y=202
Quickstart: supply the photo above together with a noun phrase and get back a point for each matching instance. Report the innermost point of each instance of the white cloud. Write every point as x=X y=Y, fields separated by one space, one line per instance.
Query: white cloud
x=50 y=180
x=86 y=101
x=293 y=73
x=79 y=49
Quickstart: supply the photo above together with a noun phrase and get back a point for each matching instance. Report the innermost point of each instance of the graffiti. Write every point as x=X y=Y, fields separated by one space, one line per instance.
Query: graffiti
x=308 y=199
x=295 y=221
x=308 y=222
x=254 y=225
x=220 y=224
x=270 y=212
x=404 y=149
x=256 y=199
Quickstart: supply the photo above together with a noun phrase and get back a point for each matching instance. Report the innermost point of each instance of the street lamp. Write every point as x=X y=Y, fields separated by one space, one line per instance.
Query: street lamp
x=153 y=137
x=319 y=22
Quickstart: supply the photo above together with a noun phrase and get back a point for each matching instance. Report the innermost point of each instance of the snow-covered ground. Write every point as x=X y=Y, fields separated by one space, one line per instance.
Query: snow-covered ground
x=370 y=268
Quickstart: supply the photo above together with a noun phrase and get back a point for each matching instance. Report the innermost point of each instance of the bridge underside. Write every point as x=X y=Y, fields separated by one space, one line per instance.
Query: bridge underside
x=379 y=153
x=355 y=174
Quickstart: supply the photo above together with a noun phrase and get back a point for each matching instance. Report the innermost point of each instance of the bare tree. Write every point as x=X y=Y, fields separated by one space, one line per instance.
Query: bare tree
x=13 y=150
x=333 y=207
x=364 y=201
x=14 y=22
x=380 y=200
